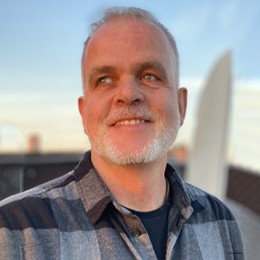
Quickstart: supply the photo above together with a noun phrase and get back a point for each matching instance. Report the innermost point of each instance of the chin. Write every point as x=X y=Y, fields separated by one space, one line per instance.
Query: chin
x=145 y=154
x=125 y=154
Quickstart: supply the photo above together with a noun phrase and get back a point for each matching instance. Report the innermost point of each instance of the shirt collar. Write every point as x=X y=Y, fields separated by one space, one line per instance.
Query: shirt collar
x=96 y=196
x=183 y=199
x=93 y=192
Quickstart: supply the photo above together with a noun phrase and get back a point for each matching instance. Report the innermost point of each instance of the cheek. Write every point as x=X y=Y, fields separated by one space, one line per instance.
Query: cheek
x=91 y=118
x=172 y=111
x=96 y=112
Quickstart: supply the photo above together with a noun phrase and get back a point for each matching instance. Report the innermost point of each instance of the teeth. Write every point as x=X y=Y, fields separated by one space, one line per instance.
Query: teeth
x=130 y=122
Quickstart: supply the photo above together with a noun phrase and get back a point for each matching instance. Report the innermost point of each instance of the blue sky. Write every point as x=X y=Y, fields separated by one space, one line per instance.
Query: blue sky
x=41 y=45
x=41 y=40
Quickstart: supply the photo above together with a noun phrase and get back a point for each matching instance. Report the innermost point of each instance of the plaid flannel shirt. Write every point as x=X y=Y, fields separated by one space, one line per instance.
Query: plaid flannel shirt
x=76 y=217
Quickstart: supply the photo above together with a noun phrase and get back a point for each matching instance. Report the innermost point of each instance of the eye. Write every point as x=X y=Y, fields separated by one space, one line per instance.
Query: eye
x=104 y=80
x=149 y=77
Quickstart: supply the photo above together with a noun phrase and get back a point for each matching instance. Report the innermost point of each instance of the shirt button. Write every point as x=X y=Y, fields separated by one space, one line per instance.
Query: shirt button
x=137 y=232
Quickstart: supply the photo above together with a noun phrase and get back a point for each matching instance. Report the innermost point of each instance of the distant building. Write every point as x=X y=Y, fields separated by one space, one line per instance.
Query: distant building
x=33 y=143
x=178 y=153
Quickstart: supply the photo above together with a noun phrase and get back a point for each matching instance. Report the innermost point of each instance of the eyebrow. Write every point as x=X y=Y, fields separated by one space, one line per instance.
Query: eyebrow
x=153 y=65
x=149 y=65
x=101 y=70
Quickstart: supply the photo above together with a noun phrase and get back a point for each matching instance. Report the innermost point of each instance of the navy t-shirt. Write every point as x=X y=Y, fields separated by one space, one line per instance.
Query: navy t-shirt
x=156 y=224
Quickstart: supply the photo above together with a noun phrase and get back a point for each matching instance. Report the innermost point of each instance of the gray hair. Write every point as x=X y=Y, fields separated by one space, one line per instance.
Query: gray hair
x=135 y=13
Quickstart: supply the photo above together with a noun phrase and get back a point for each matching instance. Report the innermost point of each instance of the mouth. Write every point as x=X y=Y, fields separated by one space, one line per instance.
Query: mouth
x=127 y=122
x=130 y=118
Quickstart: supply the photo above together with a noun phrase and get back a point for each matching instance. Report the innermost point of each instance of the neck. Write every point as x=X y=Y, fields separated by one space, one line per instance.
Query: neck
x=141 y=187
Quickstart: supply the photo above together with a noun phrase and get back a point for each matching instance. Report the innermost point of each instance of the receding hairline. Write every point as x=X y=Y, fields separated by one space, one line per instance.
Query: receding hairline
x=136 y=14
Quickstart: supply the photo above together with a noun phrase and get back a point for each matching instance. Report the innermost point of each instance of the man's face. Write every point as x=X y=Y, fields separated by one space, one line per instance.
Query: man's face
x=131 y=109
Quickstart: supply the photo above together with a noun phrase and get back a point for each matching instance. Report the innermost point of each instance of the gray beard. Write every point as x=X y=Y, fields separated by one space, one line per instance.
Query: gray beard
x=165 y=138
x=104 y=146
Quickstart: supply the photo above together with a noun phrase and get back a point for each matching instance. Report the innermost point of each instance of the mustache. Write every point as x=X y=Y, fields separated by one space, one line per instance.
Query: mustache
x=130 y=113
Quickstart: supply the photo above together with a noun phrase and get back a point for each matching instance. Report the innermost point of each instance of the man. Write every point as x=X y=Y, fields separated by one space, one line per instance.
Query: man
x=123 y=201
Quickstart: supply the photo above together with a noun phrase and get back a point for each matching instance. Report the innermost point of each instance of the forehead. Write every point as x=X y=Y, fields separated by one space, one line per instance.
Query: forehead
x=127 y=25
x=127 y=33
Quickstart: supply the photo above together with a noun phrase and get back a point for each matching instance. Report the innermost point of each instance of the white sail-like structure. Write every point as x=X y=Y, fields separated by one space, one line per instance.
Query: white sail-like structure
x=207 y=166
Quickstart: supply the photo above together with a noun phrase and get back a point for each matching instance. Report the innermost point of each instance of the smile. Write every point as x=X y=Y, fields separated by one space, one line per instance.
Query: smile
x=130 y=122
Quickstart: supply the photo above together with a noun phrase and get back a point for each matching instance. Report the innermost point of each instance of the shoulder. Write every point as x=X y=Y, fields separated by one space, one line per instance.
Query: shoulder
x=212 y=218
x=34 y=207
x=209 y=207
x=213 y=207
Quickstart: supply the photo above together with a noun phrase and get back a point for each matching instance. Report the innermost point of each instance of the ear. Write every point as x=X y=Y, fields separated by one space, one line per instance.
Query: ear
x=182 y=103
x=82 y=111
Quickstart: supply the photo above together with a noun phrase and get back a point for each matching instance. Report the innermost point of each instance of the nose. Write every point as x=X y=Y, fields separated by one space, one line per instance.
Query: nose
x=129 y=92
